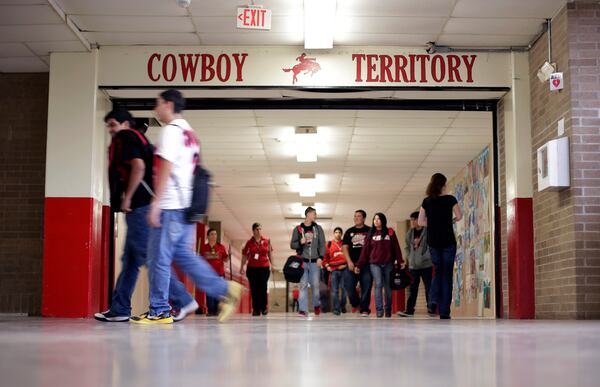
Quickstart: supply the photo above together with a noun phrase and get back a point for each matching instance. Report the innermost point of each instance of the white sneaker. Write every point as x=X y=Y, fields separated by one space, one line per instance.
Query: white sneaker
x=183 y=312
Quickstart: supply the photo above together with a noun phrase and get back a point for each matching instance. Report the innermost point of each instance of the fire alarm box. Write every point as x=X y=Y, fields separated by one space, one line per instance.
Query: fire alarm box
x=553 y=165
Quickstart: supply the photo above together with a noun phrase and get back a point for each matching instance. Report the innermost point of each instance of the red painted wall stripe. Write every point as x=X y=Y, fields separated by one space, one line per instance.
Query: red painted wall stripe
x=72 y=257
x=521 y=268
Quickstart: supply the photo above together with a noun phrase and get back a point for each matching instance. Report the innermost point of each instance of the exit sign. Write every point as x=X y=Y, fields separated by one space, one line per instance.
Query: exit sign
x=254 y=18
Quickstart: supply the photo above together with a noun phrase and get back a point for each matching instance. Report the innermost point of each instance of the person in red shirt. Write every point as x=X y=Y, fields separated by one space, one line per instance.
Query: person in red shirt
x=380 y=252
x=216 y=255
x=335 y=263
x=257 y=255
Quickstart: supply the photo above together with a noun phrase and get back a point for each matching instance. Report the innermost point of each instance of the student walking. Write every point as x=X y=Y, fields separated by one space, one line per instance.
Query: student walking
x=308 y=240
x=438 y=213
x=171 y=235
x=256 y=257
x=380 y=252
x=216 y=256
x=419 y=263
x=352 y=245
x=130 y=182
x=335 y=263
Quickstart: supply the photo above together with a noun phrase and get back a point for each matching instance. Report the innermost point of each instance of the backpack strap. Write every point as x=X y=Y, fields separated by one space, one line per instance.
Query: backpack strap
x=146 y=144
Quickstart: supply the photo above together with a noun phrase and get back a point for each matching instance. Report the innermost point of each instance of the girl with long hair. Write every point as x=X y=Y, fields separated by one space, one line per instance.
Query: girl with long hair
x=438 y=213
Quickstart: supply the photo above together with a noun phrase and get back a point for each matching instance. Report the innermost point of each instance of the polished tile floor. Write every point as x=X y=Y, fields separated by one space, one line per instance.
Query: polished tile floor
x=289 y=351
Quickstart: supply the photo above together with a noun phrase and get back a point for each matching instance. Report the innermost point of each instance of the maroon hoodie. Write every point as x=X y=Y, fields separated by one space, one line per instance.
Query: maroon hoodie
x=379 y=251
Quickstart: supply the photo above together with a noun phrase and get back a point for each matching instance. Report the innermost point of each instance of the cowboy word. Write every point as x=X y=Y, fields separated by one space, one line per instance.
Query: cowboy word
x=196 y=67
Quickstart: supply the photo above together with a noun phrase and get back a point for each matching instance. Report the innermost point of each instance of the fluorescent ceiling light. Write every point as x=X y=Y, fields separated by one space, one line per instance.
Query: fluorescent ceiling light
x=307 y=185
x=306 y=144
x=319 y=23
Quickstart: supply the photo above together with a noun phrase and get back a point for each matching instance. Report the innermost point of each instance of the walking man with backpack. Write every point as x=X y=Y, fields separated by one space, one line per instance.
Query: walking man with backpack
x=419 y=263
x=130 y=182
x=308 y=239
x=171 y=233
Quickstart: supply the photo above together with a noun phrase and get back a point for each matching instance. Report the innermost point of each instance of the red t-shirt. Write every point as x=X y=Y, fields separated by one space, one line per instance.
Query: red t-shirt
x=215 y=256
x=334 y=256
x=257 y=252
x=295 y=294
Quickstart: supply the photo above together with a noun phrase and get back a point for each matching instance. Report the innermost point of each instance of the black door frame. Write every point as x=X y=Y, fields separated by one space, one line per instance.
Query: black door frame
x=333 y=103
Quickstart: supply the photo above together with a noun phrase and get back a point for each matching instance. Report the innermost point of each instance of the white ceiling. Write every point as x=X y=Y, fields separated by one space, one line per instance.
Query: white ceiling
x=31 y=29
x=374 y=160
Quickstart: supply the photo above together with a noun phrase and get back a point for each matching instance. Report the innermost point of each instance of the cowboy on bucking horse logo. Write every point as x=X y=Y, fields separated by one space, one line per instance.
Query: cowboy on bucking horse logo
x=308 y=65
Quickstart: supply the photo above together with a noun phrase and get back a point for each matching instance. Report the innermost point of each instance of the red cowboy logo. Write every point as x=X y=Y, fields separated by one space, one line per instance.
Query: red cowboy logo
x=306 y=65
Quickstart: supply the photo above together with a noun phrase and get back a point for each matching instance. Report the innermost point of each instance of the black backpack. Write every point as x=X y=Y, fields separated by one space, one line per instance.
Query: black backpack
x=400 y=278
x=293 y=270
x=200 y=193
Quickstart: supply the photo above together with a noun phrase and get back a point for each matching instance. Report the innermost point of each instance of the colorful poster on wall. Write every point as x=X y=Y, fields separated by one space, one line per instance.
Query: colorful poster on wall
x=473 y=294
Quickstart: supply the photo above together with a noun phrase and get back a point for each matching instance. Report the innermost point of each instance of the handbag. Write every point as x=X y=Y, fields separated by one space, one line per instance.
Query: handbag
x=293 y=270
x=400 y=278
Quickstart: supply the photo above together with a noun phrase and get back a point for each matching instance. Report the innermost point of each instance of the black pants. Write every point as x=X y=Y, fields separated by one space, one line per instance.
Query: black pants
x=258 y=278
x=418 y=274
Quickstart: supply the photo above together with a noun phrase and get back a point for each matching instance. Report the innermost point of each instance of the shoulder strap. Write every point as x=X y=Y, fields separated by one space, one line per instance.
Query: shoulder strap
x=146 y=143
x=142 y=138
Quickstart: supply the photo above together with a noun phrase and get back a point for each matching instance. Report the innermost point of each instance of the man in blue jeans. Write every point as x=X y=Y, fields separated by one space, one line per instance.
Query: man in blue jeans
x=130 y=182
x=352 y=244
x=171 y=235
x=308 y=239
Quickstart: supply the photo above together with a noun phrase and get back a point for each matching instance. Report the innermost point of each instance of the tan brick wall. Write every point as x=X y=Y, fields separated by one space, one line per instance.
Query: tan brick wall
x=23 y=107
x=584 y=35
x=554 y=217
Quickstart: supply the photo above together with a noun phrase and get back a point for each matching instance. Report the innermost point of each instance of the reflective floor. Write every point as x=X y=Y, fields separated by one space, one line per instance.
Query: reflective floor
x=289 y=351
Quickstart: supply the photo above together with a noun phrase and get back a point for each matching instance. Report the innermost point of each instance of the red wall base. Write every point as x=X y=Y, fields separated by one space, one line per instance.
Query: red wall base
x=521 y=267
x=72 y=273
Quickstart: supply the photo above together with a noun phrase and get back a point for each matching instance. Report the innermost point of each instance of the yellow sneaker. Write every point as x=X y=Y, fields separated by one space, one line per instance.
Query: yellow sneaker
x=146 y=318
x=230 y=303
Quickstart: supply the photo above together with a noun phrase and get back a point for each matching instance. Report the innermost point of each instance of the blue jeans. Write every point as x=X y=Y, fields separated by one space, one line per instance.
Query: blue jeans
x=134 y=256
x=337 y=282
x=366 y=284
x=381 y=277
x=174 y=241
x=312 y=275
x=441 y=286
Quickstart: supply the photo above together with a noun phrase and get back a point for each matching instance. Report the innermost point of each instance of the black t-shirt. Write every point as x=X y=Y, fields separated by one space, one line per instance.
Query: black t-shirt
x=440 y=232
x=355 y=239
x=308 y=233
x=126 y=146
x=417 y=232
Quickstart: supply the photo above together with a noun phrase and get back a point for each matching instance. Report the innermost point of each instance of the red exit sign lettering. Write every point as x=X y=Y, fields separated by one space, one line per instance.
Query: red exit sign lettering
x=254 y=18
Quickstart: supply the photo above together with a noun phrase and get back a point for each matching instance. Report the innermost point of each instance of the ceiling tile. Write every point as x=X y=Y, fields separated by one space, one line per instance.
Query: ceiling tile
x=123 y=7
x=22 y=65
x=28 y=15
x=43 y=48
x=36 y=33
x=136 y=24
x=405 y=40
x=389 y=25
x=395 y=7
x=8 y=50
x=541 y=9
x=464 y=40
x=493 y=26
x=252 y=38
x=123 y=39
